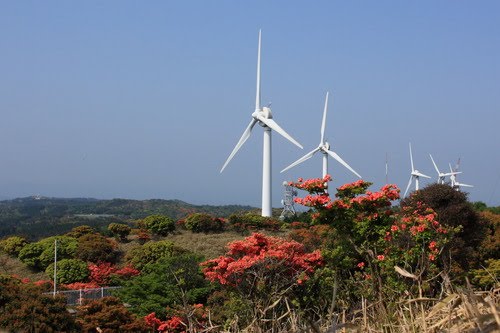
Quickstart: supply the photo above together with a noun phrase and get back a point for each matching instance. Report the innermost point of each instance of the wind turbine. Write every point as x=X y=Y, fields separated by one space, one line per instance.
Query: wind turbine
x=442 y=175
x=454 y=182
x=324 y=148
x=262 y=116
x=415 y=174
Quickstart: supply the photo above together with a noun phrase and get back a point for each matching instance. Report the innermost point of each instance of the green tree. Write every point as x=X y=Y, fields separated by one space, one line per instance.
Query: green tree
x=151 y=252
x=96 y=248
x=81 y=230
x=41 y=254
x=174 y=281
x=13 y=245
x=69 y=271
x=159 y=224
x=202 y=222
x=119 y=230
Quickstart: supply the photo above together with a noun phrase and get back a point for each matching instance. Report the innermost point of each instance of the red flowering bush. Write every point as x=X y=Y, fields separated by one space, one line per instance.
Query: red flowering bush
x=371 y=236
x=265 y=271
x=103 y=273
x=191 y=319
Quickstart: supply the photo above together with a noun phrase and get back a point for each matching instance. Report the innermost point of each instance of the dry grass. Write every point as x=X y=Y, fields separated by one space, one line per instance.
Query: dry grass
x=13 y=266
x=461 y=312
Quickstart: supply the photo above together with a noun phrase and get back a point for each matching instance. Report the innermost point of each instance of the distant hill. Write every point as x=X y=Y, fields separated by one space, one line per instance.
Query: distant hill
x=36 y=217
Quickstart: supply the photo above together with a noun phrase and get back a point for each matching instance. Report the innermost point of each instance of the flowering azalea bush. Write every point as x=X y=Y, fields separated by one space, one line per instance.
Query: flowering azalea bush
x=191 y=319
x=371 y=237
x=266 y=271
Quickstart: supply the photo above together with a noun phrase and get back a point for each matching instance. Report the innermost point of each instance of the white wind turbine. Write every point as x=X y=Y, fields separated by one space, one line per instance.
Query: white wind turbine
x=454 y=182
x=442 y=175
x=324 y=148
x=415 y=174
x=263 y=116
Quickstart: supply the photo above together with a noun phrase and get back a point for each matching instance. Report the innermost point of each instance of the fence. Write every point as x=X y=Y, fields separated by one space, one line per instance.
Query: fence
x=75 y=297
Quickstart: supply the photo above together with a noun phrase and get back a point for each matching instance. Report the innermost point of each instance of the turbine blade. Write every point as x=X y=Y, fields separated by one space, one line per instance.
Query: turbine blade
x=244 y=137
x=451 y=173
x=257 y=95
x=408 y=187
x=435 y=166
x=275 y=127
x=323 y=123
x=302 y=159
x=465 y=185
x=419 y=174
x=341 y=161
x=411 y=159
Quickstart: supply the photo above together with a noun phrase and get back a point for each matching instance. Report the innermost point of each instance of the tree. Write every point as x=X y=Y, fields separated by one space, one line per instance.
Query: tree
x=13 y=245
x=151 y=252
x=109 y=315
x=81 y=230
x=454 y=210
x=375 y=249
x=23 y=308
x=174 y=281
x=96 y=248
x=41 y=254
x=268 y=272
x=69 y=271
x=202 y=222
x=159 y=224
x=119 y=230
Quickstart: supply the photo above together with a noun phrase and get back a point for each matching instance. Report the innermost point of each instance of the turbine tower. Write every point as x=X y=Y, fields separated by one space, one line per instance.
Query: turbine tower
x=415 y=174
x=324 y=148
x=262 y=116
x=442 y=175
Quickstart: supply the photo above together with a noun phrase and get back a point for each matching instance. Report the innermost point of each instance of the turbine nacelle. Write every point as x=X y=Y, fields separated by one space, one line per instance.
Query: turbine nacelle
x=265 y=113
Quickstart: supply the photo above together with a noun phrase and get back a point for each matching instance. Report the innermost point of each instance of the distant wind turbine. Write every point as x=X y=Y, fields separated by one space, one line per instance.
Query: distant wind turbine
x=324 y=148
x=262 y=116
x=415 y=174
x=442 y=175
x=454 y=182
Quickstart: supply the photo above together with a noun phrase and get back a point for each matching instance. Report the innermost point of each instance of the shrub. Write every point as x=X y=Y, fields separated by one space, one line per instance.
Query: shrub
x=171 y=281
x=110 y=315
x=201 y=222
x=13 y=245
x=488 y=276
x=23 y=308
x=96 y=248
x=119 y=230
x=81 y=230
x=267 y=271
x=249 y=222
x=69 y=271
x=151 y=252
x=41 y=254
x=159 y=224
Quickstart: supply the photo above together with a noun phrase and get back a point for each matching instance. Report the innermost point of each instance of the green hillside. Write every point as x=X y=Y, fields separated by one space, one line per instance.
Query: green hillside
x=37 y=217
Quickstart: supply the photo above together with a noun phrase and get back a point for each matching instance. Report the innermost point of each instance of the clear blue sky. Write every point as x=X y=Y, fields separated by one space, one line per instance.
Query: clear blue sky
x=141 y=100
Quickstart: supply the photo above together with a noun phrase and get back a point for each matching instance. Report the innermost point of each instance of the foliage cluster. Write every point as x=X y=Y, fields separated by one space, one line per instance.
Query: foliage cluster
x=252 y=222
x=202 y=222
x=159 y=224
